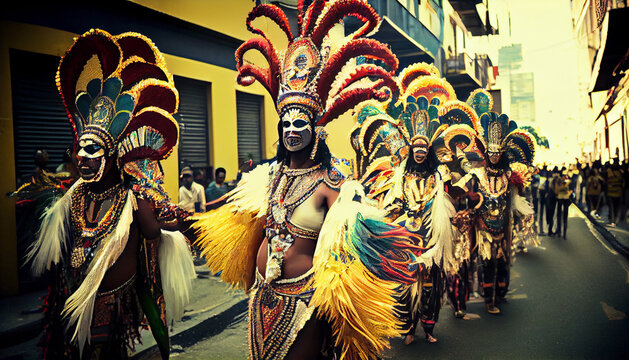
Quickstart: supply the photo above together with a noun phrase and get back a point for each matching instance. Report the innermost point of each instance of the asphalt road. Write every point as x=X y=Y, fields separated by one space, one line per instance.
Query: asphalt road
x=568 y=300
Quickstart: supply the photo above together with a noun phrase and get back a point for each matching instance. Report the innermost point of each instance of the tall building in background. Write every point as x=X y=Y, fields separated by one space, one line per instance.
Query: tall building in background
x=521 y=85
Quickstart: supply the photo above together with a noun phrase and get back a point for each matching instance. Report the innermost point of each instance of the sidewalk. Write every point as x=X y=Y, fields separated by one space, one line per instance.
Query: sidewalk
x=22 y=317
x=211 y=300
x=617 y=236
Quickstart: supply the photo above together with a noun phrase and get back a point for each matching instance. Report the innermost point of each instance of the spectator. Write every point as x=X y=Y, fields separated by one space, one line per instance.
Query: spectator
x=563 y=192
x=535 y=189
x=67 y=169
x=191 y=194
x=542 y=194
x=594 y=189
x=218 y=187
x=614 y=191
x=625 y=207
x=551 y=200
x=199 y=178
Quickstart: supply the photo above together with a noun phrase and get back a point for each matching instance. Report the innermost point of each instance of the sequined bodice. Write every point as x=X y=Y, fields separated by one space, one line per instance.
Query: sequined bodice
x=493 y=210
x=419 y=191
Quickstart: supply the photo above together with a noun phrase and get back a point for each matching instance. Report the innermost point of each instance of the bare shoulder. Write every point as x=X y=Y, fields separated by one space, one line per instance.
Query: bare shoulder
x=146 y=220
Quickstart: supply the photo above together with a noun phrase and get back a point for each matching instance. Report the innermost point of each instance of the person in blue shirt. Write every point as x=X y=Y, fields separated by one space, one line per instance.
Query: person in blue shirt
x=218 y=187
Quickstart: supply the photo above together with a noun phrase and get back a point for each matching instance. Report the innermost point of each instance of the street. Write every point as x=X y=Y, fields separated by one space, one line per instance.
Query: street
x=568 y=299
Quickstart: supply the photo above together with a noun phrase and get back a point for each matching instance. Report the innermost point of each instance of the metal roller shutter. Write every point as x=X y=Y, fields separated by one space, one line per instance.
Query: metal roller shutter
x=249 y=109
x=39 y=118
x=193 y=122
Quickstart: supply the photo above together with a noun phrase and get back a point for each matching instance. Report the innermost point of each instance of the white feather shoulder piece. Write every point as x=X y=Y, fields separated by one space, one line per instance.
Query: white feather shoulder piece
x=252 y=192
x=177 y=271
x=52 y=237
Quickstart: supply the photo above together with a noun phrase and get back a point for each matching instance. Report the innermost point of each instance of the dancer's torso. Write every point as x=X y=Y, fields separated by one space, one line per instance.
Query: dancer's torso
x=495 y=195
x=297 y=208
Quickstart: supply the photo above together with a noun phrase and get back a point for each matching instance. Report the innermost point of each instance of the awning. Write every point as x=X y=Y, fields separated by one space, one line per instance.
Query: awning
x=612 y=55
x=472 y=18
x=409 y=47
x=402 y=45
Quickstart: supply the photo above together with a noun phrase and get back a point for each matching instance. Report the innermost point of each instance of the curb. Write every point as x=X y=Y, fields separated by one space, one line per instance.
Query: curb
x=607 y=235
x=21 y=333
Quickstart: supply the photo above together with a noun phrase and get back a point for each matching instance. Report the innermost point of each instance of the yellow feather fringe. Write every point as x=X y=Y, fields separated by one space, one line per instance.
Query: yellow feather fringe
x=359 y=306
x=229 y=237
x=229 y=241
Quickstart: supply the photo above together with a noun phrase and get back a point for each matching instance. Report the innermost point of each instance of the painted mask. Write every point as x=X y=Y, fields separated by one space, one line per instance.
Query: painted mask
x=296 y=129
x=93 y=161
x=420 y=150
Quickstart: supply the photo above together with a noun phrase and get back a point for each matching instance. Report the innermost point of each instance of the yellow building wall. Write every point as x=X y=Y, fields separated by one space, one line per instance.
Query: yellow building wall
x=28 y=38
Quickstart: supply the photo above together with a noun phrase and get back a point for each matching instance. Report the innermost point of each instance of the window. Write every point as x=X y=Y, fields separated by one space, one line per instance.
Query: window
x=249 y=124
x=39 y=117
x=194 y=97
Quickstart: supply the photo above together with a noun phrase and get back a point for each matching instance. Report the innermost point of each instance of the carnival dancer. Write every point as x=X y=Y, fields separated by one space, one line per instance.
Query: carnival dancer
x=439 y=132
x=509 y=152
x=111 y=262
x=314 y=259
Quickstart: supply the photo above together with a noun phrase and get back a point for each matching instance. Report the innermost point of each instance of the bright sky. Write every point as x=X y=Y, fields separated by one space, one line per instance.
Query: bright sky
x=544 y=28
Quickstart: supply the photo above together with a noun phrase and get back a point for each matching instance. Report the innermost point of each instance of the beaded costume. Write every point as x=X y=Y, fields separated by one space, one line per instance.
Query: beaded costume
x=120 y=100
x=508 y=153
x=416 y=194
x=359 y=260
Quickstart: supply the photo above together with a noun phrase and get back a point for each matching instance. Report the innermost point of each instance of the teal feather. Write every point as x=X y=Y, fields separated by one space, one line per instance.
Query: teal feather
x=94 y=88
x=119 y=123
x=422 y=103
x=111 y=88
x=125 y=102
x=83 y=102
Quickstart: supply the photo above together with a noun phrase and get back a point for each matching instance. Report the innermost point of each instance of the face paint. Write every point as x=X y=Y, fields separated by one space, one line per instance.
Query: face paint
x=494 y=157
x=296 y=129
x=91 y=160
x=420 y=150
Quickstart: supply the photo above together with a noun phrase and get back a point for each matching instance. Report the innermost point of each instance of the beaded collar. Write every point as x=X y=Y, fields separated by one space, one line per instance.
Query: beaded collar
x=105 y=194
x=87 y=238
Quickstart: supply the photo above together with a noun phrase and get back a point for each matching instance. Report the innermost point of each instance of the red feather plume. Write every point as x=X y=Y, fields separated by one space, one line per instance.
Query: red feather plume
x=248 y=72
x=268 y=77
x=361 y=72
x=357 y=47
x=338 y=11
x=412 y=75
x=312 y=14
x=351 y=98
x=272 y=12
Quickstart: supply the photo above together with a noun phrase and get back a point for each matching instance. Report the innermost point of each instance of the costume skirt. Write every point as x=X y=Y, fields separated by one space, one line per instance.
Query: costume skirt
x=277 y=312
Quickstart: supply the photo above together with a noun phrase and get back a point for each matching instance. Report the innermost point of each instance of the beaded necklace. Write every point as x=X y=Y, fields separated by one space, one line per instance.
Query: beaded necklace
x=289 y=189
x=88 y=238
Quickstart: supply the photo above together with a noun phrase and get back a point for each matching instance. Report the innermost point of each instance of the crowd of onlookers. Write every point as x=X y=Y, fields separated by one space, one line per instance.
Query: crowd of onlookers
x=592 y=187
x=196 y=194
x=200 y=192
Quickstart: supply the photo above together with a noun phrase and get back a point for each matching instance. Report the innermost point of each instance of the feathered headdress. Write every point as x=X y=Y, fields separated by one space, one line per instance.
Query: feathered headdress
x=377 y=140
x=481 y=101
x=464 y=129
x=306 y=75
x=503 y=136
x=117 y=92
x=422 y=94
